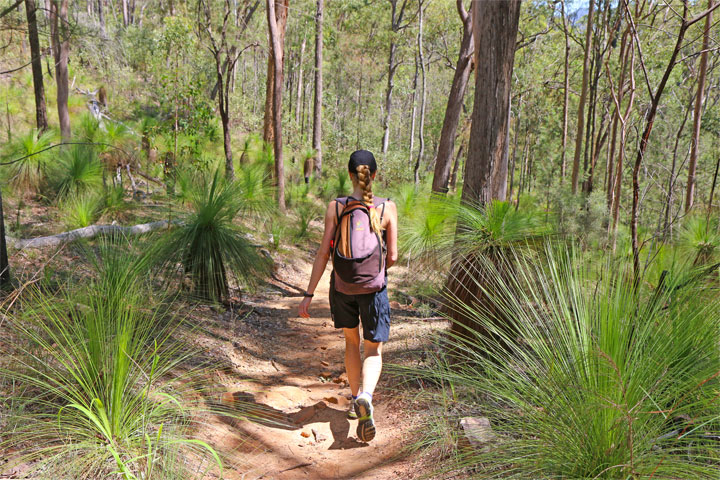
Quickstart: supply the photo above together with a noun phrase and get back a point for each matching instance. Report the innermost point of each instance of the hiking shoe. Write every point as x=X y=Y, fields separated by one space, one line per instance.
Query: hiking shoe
x=351 y=410
x=364 y=410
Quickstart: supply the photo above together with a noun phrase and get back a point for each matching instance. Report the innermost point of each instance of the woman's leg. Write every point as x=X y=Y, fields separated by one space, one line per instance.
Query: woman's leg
x=352 y=358
x=372 y=366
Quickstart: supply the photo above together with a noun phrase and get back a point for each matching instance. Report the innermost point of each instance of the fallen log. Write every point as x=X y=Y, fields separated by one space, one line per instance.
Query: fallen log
x=89 y=232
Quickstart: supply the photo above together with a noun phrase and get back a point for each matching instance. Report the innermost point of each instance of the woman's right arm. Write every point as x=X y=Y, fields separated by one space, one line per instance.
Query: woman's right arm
x=321 y=259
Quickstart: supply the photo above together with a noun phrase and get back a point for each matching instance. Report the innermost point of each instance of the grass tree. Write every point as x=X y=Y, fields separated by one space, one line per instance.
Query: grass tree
x=596 y=379
x=90 y=373
x=208 y=245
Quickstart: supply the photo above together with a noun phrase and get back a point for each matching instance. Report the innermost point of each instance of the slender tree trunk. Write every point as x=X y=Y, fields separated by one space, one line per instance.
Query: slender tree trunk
x=299 y=84
x=358 y=113
x=456 y=166
x=446 y=145
x=101 y=18
x=583 y=97
x=4 y=263
x=673 y=166
x=61 y=51
x=36 y=56
x=413 y=116
x=423 y=97
x=566 y=94
x=697 y=117
x=317 y=111
x=125 y=13
x=281 y=11
x=277 y=49
x=617 y=117
x=388 y=97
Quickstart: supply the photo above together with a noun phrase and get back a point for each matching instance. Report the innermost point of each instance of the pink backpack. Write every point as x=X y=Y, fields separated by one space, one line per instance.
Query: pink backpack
x=358 y=252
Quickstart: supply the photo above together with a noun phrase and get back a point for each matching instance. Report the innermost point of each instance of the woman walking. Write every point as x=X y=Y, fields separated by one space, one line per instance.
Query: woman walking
x=361 y=236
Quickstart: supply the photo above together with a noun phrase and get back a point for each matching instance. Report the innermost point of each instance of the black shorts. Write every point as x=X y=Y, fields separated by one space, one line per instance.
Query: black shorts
x=372 y=308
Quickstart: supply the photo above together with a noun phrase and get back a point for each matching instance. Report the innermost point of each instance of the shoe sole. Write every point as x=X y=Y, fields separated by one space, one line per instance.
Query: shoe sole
x=366 y=428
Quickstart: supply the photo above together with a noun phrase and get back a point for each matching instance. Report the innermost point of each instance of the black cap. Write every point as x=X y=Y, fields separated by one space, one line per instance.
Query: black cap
x=362 y=157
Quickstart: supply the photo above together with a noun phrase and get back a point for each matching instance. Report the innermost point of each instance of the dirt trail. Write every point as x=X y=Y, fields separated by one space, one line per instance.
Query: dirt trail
x=298 y=394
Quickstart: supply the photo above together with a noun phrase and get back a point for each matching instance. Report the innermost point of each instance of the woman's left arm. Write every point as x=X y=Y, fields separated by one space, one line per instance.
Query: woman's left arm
x=321 y=258
x=392 y=234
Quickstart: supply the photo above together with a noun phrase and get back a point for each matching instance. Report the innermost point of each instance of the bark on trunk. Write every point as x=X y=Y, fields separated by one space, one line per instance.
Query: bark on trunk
x=280 y=7
x=38 y=86
x=317 y=111
x=4 y=263
x=388 y=97
x=583 y=96
x=413 y=115
x=495 y=31
x=277 y=49
x=299 y=83
x=454 y=105
x=566 y=94
x=697 y=115
x=423 y=97
x=60 y=36
x=101 y=17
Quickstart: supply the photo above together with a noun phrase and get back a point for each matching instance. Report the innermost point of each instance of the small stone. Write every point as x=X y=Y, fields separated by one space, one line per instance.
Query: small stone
x=478 y=431
x=342 y=378
x=305 y=434
x=324 y=363
x=332 y=400
x=326 y=374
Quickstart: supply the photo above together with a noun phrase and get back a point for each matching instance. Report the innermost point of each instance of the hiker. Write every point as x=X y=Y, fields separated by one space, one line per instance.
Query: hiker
x=361 y=235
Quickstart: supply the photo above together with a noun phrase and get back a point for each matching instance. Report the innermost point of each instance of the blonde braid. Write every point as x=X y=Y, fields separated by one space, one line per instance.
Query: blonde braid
x=364 y=179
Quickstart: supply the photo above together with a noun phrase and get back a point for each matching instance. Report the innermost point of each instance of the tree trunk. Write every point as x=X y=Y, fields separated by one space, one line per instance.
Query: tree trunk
x=423 y=97
x=277 y=49
x=223 y=101
x=101 y=18
x=413 y=115
x=454 y=105
x=583 y=96
x=299 y=84
x=453 y=177
x=317 y=110
x=4 y=263
x=60 y=36
x=566 y=94
x=36 y=56
x=697 y=115
x=388 y=97
x=125 y=13
x=281 y=22
x=495 y=30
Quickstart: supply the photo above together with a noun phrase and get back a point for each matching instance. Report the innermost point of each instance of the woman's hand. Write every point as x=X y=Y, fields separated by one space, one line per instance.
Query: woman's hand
x=303 y=309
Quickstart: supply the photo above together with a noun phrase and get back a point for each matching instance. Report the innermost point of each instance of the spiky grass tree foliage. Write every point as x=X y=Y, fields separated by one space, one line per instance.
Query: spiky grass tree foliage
x=80 y=211
x=484 y=235
x=700 y=238
x=599 y=379
x=427 y=228
x=78 y=171
x=91 y=367
x=208 y=246
x=29 y=174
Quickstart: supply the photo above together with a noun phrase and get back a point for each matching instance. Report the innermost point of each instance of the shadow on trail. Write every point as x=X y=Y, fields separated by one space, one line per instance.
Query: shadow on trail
x=267 y=416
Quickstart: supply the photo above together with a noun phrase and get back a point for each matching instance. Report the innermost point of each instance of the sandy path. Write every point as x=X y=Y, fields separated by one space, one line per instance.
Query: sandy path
x=299 y=395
